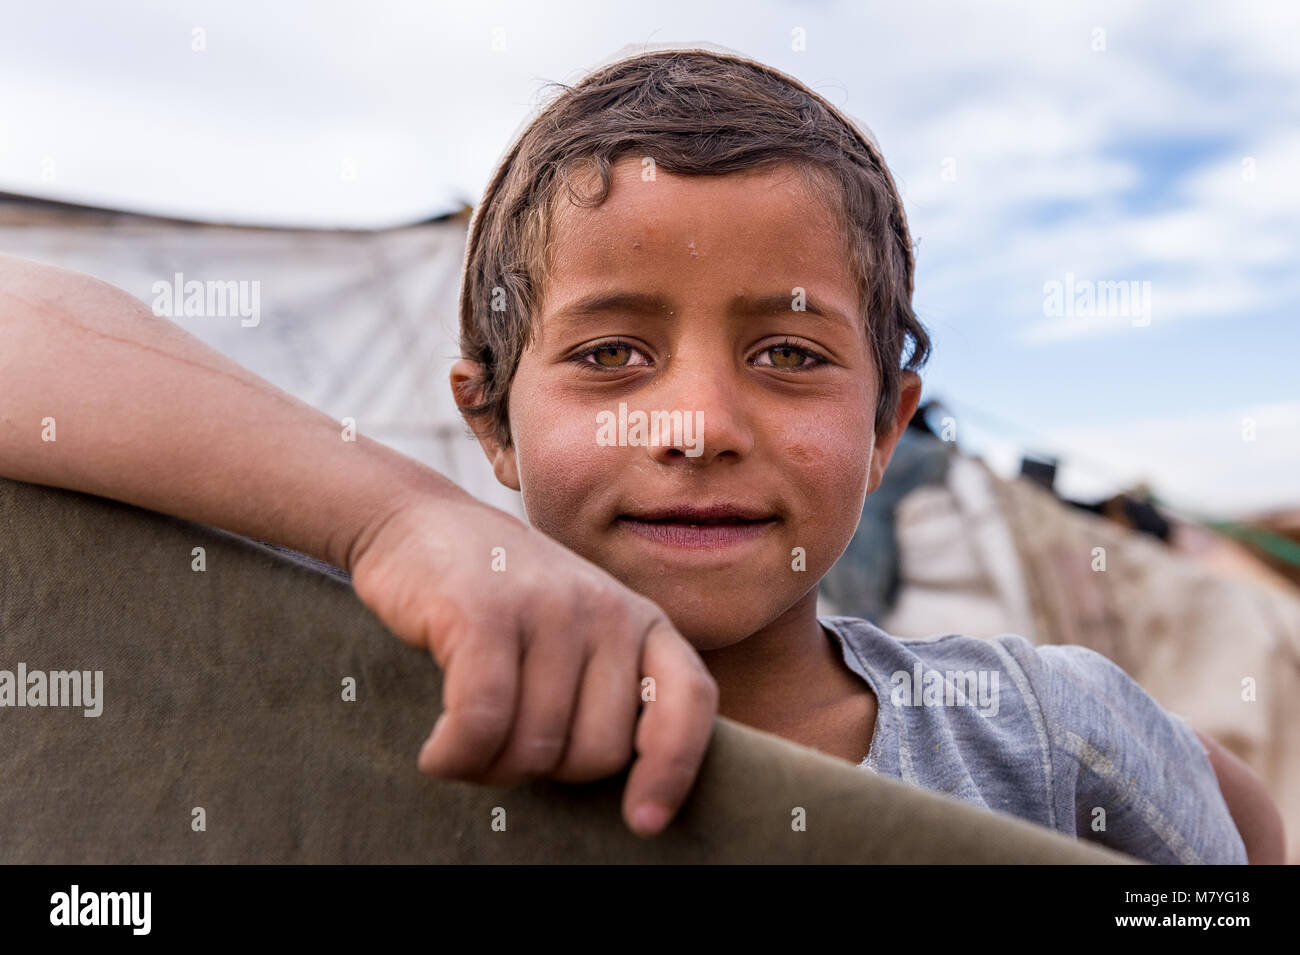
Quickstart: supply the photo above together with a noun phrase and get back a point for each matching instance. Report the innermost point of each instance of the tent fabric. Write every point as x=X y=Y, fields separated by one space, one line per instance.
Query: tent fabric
x=959 y=567
x=225 y=735
x=357 y=324
x=1197 y=640
x=864 y=582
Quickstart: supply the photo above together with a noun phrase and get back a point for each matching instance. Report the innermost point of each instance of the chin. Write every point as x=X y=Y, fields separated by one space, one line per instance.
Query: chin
x=715 y=620
x=707 y=635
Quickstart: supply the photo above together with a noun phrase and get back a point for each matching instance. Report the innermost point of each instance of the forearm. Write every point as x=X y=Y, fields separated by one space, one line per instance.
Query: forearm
x=1253 y=811
x=141 y=411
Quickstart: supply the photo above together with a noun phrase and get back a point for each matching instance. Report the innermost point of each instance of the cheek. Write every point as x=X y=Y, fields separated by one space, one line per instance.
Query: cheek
x=555 y=446
x=828 y=457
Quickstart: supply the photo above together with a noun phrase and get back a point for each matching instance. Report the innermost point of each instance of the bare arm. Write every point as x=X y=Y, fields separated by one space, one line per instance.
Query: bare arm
x=145 y=413
x=1252 y=809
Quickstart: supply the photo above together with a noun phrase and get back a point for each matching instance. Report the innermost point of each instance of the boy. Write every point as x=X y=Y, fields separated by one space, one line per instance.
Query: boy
x=743 y=266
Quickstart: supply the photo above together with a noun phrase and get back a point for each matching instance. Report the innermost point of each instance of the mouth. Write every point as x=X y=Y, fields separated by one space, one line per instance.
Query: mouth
x=712 y=526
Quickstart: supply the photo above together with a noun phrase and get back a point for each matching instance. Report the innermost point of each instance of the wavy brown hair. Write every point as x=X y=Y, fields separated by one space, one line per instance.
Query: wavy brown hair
x=696 y=113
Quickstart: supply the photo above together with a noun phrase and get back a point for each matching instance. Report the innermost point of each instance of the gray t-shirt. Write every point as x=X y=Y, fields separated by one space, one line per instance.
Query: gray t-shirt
x=1057 y=735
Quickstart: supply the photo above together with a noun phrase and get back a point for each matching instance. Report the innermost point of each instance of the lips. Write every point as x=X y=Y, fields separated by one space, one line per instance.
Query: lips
x=700 y=527
x=706 y=514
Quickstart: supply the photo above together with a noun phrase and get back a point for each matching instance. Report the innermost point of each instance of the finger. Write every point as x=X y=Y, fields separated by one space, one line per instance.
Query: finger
x=552 y=670
x=672 y=734
x=603 y=730
x=480 y=684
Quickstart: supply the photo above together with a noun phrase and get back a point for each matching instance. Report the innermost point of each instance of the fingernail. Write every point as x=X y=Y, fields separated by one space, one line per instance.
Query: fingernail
x=650 y=817
x=421 y=759
x=428 y=743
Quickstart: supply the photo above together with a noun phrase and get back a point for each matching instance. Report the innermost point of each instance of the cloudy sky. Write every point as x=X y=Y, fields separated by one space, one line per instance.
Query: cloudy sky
x=1083 y=144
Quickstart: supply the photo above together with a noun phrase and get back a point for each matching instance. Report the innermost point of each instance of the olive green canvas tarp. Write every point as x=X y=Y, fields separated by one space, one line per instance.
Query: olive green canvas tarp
x=224 y=735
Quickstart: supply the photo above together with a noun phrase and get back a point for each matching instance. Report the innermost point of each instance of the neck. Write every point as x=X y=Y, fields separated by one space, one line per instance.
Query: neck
x=778 y=673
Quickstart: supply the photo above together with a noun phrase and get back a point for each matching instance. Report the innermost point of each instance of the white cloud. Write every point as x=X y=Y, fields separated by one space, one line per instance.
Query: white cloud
x=1203 y=462
x=1051 y=139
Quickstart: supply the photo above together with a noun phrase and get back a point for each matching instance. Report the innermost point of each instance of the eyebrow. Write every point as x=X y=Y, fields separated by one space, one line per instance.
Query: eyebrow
x=653 y=305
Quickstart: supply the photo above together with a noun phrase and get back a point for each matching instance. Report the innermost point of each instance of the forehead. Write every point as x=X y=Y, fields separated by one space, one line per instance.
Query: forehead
x=756 y=227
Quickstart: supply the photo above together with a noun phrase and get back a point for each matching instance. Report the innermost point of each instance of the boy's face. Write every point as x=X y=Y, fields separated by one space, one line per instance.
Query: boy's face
x=786 y=397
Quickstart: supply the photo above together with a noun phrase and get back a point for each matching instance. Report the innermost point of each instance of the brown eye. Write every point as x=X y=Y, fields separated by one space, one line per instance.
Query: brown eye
x=787 y=356
x=611 y=356
x=790 y=357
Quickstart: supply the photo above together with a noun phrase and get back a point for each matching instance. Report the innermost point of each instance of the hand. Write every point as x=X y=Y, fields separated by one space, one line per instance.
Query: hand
x=543 y=660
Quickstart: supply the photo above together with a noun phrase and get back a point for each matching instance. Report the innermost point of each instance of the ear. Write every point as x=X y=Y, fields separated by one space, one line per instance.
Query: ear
x=464 y=389
x=908 y=398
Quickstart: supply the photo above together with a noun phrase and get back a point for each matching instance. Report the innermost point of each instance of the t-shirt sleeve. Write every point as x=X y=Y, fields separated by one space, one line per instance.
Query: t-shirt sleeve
x=1142 y=782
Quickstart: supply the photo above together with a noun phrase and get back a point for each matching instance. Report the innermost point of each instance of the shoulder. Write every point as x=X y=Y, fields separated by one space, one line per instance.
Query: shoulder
x=866 y=637
x=961 y=716
x=945 y=664
x=1117 y=767
x=1143 y=781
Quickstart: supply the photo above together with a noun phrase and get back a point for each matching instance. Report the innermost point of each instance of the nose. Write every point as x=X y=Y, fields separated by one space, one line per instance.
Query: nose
x=716 y=425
